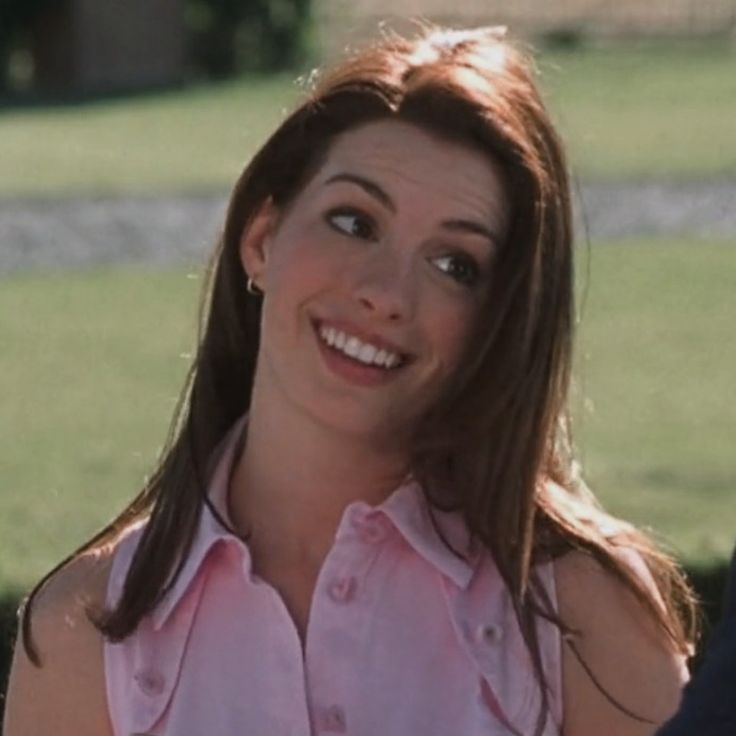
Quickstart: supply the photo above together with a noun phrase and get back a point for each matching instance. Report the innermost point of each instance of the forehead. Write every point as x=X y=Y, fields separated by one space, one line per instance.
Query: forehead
x=412 y=163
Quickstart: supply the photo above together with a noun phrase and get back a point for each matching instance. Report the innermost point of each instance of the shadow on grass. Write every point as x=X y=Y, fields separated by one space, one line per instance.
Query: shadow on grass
x=22 y=101
x=13 y=100
x=9 y=602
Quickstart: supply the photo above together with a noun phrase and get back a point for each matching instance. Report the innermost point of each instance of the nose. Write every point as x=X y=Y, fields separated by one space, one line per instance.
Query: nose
x=384 y=288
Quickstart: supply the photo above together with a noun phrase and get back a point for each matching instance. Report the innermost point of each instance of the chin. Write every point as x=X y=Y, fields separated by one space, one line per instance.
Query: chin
x=375 y=426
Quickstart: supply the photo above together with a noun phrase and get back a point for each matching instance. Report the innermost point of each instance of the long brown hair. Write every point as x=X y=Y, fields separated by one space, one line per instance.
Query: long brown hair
x=497 y=446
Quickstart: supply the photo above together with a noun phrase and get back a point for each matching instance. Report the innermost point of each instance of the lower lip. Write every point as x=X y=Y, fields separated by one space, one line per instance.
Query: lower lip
x=354 y=371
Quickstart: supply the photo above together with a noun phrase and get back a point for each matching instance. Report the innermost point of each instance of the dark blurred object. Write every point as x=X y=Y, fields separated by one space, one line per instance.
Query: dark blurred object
x=229 y=36
x=710 y=582
x=88 y=46
x=708 y=707
x=72 y=48
x=16 y=16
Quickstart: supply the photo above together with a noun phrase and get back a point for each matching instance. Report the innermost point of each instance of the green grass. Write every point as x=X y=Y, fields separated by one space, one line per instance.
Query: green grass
x=653 y=111
x=655 y=401
x=664 y=111
x=91 y=365
x=90 y=368
x=187 y=140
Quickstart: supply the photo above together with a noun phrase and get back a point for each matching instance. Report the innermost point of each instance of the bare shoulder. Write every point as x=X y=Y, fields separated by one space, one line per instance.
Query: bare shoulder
x=621 y=647
x=66 y=693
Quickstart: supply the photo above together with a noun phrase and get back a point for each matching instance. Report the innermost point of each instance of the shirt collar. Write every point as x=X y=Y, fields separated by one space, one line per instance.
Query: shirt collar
x=410 y=513
x=406 y=508
x=210 y=531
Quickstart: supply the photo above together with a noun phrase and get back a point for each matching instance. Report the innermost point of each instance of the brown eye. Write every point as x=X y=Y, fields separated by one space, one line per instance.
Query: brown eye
x=459 y=267
x=353 y=223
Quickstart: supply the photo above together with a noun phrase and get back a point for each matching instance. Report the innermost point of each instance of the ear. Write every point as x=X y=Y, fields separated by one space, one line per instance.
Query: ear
x=256 y=239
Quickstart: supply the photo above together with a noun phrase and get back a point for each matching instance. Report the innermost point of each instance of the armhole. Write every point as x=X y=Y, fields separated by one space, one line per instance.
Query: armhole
x=485 y=620
x=551 y=647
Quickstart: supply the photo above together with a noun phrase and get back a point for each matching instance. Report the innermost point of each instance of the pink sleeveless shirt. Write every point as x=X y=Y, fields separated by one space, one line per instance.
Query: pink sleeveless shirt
x=404 y=637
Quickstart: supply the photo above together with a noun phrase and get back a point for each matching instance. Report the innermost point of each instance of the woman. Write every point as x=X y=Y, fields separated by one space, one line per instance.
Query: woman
x=367 y=519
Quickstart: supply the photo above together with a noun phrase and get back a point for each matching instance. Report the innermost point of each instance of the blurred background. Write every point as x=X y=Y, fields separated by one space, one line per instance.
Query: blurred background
x=124 y=124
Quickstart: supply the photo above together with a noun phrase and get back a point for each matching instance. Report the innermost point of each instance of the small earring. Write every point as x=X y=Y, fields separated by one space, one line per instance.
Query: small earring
x=251 y=287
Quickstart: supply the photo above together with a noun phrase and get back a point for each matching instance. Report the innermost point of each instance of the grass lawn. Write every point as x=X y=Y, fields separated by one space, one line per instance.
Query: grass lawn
x=92 y=362
x=193 y=139
x=652 y=111
x=663 y=111
x=91 y=366
x=654 y=397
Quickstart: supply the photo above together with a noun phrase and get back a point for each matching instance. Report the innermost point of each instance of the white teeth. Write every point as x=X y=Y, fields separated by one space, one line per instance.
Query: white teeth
x=352 y=347
x=355 y=348
x=367 y=353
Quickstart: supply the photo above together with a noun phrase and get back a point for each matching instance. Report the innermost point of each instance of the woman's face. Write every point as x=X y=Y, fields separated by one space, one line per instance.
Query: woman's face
x=374 y=277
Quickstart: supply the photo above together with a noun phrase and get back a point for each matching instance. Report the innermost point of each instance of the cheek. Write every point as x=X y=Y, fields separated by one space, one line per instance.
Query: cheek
x=296 y=261
x=299 y=270
x=451 y=331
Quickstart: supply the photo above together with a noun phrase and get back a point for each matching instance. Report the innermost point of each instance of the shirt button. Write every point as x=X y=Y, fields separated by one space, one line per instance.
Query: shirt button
x=371 y=530
x=342 y=590
x=489 y=633
x=333 y=720
x=150 y=681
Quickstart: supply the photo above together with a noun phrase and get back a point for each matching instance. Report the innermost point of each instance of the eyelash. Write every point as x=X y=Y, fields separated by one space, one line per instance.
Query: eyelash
x=469 y=277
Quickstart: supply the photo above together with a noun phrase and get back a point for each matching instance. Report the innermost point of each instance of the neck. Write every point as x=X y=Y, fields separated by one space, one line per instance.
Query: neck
x=296 y=476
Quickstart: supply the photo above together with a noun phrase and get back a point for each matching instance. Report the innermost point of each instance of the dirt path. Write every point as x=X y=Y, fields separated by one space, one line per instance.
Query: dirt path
x=40 y=234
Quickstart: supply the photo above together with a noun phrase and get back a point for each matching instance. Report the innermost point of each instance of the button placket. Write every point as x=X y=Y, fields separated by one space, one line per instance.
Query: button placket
x=340 y=607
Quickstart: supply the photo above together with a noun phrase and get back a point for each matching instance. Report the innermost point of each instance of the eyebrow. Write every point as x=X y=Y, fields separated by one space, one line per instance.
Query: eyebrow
x=375 y=191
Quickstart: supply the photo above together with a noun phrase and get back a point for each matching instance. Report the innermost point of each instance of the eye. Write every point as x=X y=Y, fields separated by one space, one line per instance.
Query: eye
x=460 y=267
x=352 y=222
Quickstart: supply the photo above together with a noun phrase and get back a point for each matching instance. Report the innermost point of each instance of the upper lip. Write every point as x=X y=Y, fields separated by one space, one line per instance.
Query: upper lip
x=352 y=329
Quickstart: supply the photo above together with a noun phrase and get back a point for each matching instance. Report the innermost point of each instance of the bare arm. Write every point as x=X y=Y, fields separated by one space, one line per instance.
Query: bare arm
x=66 y=695
x=620 y=645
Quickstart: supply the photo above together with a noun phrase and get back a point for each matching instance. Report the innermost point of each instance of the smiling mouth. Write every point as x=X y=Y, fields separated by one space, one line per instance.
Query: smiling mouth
x=360 y=351
x=362 y=358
